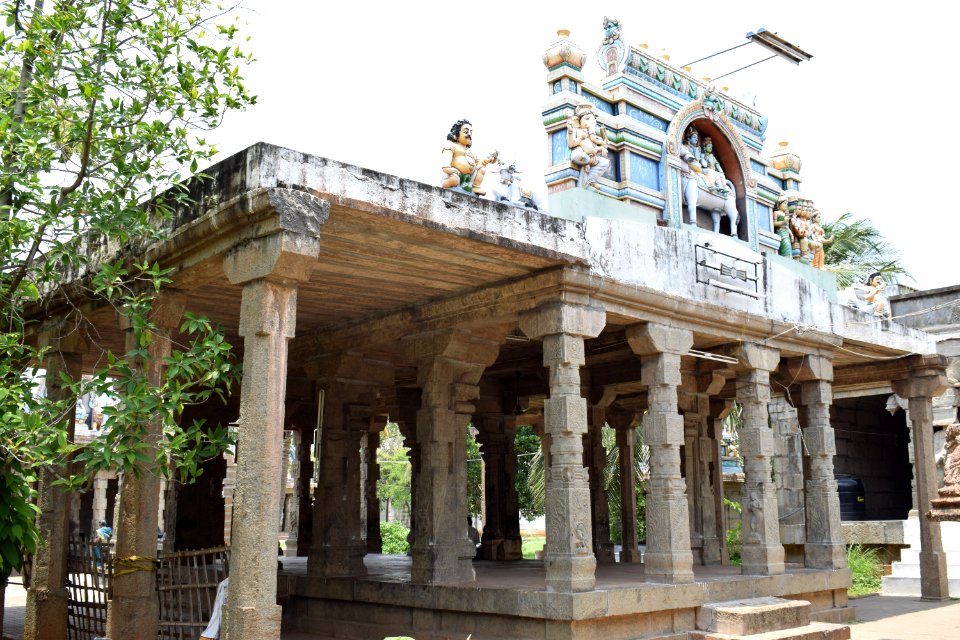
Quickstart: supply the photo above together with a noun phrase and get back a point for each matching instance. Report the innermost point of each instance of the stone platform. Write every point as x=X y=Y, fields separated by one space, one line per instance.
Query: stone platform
x=905 y=577
x=509 y=600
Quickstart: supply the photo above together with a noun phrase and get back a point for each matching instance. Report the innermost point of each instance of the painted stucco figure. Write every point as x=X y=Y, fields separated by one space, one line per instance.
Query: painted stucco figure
x=588 y=143
x=461 y=167
x=511 y=189
x=870 y=296
x=800 y=228
x=781 y=225
x=818 y=240
x=704 y=184
x=611 y=30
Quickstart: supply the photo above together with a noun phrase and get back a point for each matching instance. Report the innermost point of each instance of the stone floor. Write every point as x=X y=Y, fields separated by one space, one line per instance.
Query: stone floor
x=878 y=618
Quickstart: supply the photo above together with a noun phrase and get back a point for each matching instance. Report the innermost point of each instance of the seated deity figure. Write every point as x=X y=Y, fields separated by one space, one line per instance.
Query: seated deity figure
x=461 y=167
x=588 y=143
x=692 y=154
x=712 y=169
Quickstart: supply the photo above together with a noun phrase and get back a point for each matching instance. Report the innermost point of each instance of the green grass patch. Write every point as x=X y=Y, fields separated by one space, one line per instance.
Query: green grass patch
x=531 y=545
x=866 y=568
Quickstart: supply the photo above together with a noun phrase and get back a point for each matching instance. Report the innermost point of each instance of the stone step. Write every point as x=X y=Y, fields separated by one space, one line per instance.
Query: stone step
x=902 y=586
x=753 y=615
x=812 y=631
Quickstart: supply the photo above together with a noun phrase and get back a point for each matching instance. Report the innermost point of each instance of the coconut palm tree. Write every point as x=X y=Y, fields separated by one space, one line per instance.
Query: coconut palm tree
x=859 y=249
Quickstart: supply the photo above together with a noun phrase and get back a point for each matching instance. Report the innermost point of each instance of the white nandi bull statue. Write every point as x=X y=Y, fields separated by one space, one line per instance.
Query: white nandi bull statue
x=512 y=190
x=704 y=184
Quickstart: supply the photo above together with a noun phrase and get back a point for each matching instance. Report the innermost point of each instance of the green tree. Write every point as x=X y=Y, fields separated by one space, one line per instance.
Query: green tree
x=393 y=486
x=527 y=444
x=474 y=474
x=859 y=249
x=102 y=107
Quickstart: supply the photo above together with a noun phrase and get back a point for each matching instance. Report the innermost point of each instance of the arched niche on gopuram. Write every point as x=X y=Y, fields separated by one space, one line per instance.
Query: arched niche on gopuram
x=733 y=157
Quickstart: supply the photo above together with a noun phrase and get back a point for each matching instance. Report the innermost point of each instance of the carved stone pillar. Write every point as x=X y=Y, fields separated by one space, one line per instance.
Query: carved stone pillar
x=926 y=380
x=269 y=269
x=627 y=445
x=45 y=615
x=350 y=384
x=710 y=473
x=668 y=558
x=568 y=559
x=719 y=409
x=449 y=365
x=824 y=546
x=501 y=530
x=596 y=461
x=133 y=610
x=374 y=541
x=761 y=552
x=293 y=511
x=303 y=489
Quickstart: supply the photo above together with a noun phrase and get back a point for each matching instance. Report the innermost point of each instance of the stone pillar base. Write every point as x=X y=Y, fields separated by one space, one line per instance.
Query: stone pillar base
x=442 y=564
x=630 y=556
x=45 y=615
x=762 y=560
x=566 y=573
x=340 y=561
x=512 y=549
x=251 y=622
x=817 y=555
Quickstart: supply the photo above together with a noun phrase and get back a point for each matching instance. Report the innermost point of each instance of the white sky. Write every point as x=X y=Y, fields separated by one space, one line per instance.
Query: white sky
x=378 y=84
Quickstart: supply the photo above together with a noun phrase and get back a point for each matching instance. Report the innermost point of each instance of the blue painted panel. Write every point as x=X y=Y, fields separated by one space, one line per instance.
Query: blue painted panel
x=758 y=168
x=645 y=171
x=647 y=118
x=601 y=105
x=560 y=152
x=613 y=171
x=764 y=218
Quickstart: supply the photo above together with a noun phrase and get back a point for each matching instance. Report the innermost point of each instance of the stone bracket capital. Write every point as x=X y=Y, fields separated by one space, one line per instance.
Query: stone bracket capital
x=809 y=368
x=63 y=336
x=283 y=256
x=462 y=353
x=926 y=377
x=563 y=318
x=165 y=311
x=652 y=338
x=752 y=356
